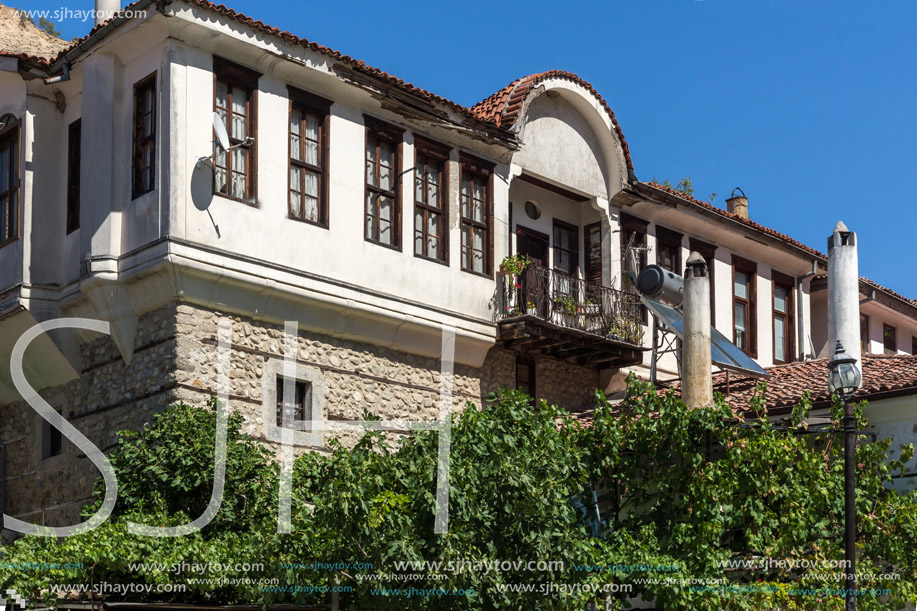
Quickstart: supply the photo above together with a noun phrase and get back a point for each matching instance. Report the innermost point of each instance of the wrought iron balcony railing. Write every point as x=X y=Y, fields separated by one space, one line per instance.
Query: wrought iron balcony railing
x=570 y=302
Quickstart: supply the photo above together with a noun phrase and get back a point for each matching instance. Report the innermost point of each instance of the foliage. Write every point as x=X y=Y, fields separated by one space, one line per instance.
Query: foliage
x=514 y=265
x=688 y=488
x=48 y=26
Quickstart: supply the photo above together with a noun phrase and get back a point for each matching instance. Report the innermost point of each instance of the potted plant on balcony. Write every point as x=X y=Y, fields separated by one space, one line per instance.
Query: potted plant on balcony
x=530 y=308
x=513 y=266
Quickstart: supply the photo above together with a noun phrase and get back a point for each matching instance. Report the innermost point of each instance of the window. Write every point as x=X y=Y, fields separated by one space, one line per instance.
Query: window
x=9 y=180
x=566 y=248
x=383 y=183
x=668 y=250
x=525 y=376
x=52 y=443
x=308 y=157
x=430 y=207
x=144 y=157
x=475 y=198
x=913 y=345
x=744 y=320
x=633 y=237
x=708 y=252
x=784 y=345
x=864 y=334
x=73 y=176
x=890 y=338
x=298 y=410
x=234 y=100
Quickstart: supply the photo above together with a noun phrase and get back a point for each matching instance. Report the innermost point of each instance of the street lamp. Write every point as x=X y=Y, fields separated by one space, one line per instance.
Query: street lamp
x=843 y=380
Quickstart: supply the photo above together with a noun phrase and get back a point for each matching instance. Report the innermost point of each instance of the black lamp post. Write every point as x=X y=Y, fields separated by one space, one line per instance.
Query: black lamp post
x=843 y=380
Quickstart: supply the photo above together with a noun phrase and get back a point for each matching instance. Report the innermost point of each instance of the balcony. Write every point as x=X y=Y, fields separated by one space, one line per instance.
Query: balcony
x=547 y=312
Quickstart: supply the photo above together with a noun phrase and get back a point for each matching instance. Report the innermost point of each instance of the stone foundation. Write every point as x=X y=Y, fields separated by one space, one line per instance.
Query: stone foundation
x=175 y=359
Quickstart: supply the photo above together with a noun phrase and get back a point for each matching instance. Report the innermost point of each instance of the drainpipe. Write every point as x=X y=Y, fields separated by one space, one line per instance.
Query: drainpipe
x=800 y=319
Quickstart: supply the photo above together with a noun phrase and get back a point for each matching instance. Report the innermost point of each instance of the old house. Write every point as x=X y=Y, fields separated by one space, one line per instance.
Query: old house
x=371 y=212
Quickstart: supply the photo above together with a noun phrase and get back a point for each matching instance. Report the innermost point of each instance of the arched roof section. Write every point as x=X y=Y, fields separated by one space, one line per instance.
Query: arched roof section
x=506 y=106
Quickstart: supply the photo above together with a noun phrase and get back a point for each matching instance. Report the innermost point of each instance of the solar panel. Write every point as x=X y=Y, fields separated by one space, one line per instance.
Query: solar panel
x=723 y=353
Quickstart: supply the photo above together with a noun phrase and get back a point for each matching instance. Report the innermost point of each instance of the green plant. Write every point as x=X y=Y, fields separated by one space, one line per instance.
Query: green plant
x=568 y=304
x=514 y=265
x=530 y=306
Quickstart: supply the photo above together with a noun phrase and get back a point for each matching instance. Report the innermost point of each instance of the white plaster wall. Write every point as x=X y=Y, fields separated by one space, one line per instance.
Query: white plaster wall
x=339 y=252
x=559 y=144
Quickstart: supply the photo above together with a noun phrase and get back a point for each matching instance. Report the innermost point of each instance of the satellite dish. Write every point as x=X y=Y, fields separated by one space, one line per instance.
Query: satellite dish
x=220 y=130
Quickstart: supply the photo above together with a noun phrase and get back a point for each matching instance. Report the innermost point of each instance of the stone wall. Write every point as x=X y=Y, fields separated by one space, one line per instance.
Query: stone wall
x=109 y=396
x=175 y=359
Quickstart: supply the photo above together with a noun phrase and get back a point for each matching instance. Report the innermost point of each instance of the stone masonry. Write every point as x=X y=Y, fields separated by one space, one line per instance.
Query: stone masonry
x=175 y=359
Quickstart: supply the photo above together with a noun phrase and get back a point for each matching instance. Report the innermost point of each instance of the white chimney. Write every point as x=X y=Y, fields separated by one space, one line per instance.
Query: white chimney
x=844 y=292
x=105 y=9
x=697 y=386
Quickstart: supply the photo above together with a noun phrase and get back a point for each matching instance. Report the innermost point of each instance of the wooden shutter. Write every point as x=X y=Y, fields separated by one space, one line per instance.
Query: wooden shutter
x=593 y=252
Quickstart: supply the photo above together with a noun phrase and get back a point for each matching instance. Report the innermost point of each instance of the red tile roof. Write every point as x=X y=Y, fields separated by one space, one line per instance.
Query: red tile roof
x=504 y=106
x=879 y=287
x=749 y=223
x=883 y=377
x=295 y=40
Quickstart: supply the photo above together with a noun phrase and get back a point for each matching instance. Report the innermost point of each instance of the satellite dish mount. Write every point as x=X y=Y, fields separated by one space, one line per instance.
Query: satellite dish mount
x=223 y=139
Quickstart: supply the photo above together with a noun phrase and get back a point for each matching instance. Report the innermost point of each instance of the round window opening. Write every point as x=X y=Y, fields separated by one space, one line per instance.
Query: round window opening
x=532 y=210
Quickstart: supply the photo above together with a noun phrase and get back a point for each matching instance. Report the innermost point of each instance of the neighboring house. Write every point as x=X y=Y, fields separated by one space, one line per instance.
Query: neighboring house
x=889 y=386
x=372 y=213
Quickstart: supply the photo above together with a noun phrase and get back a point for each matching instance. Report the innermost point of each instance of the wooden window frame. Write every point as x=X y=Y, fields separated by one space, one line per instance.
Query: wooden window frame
x=865 y=341
x=74 y=142
x=382 y=131
x=894 y=334
x=141 y=141
x=12 y=219
x=750 y=268
x=669 y=239
x=473 y=166
x=556 y=249
x=309 y=104
x=429 y=149
x=788 y=283
x=235 y=75
x=708 y=252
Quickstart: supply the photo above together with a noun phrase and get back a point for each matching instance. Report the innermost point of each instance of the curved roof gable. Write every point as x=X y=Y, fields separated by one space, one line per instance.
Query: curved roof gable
x=504 y=107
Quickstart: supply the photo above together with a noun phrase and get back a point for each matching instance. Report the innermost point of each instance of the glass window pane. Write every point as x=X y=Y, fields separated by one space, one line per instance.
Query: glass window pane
x=385 y=208
x=312 y=127
x=296 y=203
x=780 y=299
x=295 y=178
x=779 y=339
x=311 y=184
x=222 y=95
x=385 y=232
x=418 y=244
x=740 y=325
x=741 y=285
x=433 y=225
x=5 y=169
x=239 y=97
x=239 y=128
x=238 y=185
x=311 y=209
x=433 y=247
x=220 y=178
x=312 y=152
x=385 y=177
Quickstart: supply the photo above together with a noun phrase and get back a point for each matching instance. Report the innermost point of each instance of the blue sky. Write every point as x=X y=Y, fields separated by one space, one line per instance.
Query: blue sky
x=809 y=106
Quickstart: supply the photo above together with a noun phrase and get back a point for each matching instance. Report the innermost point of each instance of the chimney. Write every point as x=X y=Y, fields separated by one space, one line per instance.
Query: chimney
x=697 y=386
x=738 y=204
x=105 y=9
x=844 y=292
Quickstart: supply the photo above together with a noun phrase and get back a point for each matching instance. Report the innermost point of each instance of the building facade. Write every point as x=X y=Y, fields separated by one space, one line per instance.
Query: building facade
x=375 y=215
